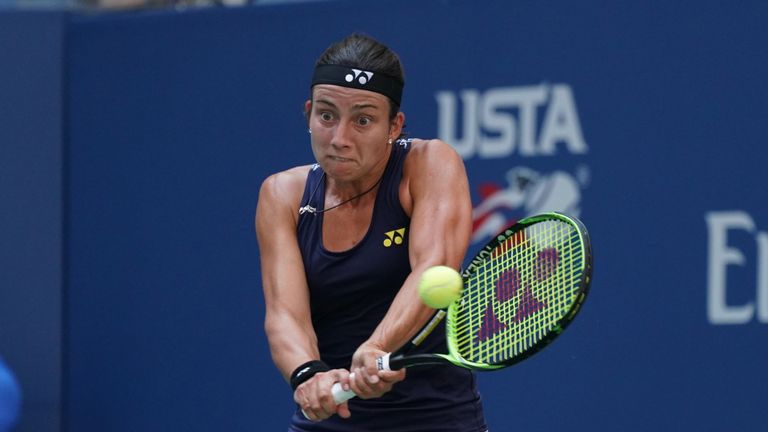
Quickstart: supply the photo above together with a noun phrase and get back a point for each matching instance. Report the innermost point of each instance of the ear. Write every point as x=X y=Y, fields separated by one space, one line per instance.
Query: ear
x=396 y=127
x=307 y=109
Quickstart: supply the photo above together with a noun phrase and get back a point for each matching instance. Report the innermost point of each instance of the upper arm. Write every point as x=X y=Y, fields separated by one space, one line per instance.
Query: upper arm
x=441 y=206
x=285 y=288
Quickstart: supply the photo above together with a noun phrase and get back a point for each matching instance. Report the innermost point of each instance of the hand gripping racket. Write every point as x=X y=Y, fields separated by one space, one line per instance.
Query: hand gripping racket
x=520 y=292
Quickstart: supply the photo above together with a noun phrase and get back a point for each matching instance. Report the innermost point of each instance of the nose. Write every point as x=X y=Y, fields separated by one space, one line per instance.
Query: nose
x=341 y=136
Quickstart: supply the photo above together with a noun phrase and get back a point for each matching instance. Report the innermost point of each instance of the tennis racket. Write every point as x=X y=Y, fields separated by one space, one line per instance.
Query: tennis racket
x=520 y=292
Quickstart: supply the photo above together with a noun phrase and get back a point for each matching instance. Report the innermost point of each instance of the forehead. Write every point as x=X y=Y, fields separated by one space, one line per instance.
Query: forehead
x=348 y=97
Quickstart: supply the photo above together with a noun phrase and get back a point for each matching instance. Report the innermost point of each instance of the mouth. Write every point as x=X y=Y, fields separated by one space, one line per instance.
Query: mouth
x=339 y=159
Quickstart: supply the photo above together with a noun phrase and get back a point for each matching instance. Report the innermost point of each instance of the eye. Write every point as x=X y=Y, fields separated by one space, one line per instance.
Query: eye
x=326 y=116
x=364 y=121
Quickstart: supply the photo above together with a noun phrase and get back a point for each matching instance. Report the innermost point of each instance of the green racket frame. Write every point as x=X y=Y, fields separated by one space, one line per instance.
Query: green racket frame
x=475 y=269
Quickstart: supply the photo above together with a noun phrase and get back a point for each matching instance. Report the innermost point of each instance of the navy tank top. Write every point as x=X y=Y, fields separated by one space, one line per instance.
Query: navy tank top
x=351 y=291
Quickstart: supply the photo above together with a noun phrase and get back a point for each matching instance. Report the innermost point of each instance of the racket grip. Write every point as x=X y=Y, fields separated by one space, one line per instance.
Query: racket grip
x=340 y=395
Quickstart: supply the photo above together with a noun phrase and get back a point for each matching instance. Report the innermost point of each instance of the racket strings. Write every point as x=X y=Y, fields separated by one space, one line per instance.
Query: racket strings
x=520 y=294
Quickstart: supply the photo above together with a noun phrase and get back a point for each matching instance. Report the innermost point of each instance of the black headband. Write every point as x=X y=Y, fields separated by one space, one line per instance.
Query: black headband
x=359 y=79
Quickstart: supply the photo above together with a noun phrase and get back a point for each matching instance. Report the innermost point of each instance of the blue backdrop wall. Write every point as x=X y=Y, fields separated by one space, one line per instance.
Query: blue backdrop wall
x=645 y=121
x=31 y=234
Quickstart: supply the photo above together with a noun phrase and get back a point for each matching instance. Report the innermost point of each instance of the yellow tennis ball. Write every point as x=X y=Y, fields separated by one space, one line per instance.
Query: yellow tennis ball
x=440 y=286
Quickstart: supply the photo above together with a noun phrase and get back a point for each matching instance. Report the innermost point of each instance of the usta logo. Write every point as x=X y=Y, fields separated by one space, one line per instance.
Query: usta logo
x=490 y=129
x=527 y=192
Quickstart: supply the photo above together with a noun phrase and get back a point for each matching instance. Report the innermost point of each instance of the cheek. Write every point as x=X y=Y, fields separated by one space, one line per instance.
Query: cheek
x=376 y=151
x=319 y=129
x=315 y=150
x=320 y=141
x=320 y=138
x=316 y=143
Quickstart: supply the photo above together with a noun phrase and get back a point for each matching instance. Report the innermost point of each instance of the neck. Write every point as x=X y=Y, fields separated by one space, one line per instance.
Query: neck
x=350 y=193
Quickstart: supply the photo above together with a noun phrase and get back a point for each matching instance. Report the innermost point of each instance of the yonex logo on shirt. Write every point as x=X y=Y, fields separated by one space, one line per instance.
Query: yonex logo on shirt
x=394 y=237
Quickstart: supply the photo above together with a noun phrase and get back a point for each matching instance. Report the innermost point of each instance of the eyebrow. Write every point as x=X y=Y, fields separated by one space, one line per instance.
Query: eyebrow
x=356 y=107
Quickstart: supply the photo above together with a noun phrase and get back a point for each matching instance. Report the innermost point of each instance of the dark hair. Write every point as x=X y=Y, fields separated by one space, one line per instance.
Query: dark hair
x=363 y=52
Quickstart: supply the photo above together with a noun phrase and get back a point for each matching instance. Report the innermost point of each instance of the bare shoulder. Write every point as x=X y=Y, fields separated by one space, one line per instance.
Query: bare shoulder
x=289 y=179
x=431 y=154
x=432 y=168
x=282 y=191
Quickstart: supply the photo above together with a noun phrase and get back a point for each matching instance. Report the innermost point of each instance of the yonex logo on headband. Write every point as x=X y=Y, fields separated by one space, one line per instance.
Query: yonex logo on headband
x=362 y=79
x=347 y=76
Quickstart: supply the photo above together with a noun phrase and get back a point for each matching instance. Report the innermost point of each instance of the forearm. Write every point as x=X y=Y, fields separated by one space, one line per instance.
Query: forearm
x=406 y=315
x=291 y=342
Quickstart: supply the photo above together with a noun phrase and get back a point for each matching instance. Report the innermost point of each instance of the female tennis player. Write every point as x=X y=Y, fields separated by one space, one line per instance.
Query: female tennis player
x=343 y=243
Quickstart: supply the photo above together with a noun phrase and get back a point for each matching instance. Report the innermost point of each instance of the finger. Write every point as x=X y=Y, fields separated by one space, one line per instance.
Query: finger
x=327 y=404
x=371 y=373
x=360 y=384
x=372 y=370
x=392 y=376
x=302 y=399
x=371 y=380
x=322 y=403
x=345 y=383
x=342 y=376
x=368 y=390
x=316 y=413
x=343 y=410
x=308 y=414
x=313 y=406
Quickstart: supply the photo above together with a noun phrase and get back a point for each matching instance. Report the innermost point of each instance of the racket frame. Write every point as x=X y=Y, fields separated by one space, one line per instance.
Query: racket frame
x=482 y=256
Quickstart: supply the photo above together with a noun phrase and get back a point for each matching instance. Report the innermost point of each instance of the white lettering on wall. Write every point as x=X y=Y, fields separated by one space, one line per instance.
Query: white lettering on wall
x=502 y=121
x=721 y=256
